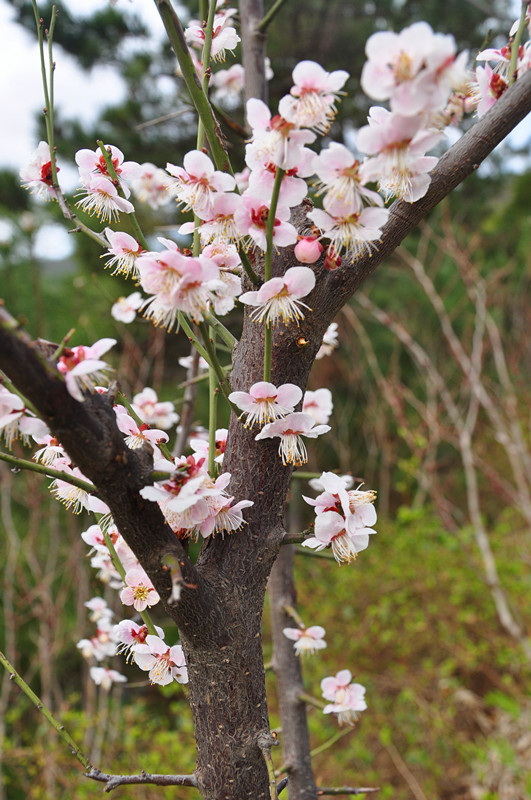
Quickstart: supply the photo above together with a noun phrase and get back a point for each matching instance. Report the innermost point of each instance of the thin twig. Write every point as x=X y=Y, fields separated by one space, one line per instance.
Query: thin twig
x=113 y=781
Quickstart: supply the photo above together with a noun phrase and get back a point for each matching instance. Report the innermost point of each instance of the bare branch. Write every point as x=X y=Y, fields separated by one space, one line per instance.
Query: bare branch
x=113 y=781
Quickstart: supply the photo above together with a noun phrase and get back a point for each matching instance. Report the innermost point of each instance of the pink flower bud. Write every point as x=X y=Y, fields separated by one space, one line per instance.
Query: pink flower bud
x=332 y=260
x=308 y=250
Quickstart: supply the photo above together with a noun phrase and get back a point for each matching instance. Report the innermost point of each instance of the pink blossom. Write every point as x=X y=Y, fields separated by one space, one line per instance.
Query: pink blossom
x=275 y=140
x=488 y=89
x=290 y=429
x=342 y=177
x=251 y=220
x=307 y=640
x=160 y=414
x=292 y=188
x=227 y=85
x=264 y=402
x=347 y=698
x=308 y=249
x=329 y=342
x=72 y=496
x=224 y=37
x=312 y=100
x=219 y=224
x=279 y=298
x=347 y=536
x=37 y=175
x=415 y=69
x=351 y=231
x=51 y=452
x=99 y=609
x=201 y=447
x=125 y=308
x=195 y=184
x=138 y=435
x=139 y=591
x=224 y=516
x=398 y=145
x=82 y=367
x=105 y=677
x=16 y=420
x=102 y=199
x=151 y=186
x=92 y=162
x=124 y=250
x=164 y=663
x=319 y=404
x=129 y=634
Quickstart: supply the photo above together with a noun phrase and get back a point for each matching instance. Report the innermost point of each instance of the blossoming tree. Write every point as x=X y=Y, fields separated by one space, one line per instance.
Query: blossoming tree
x=292 y=258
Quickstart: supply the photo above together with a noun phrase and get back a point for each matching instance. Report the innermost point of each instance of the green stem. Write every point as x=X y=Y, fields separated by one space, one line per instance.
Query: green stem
x=32 y=466
x=268 y=267
x=214 y=323
x=213 y=394
x=329 y=742
x=515 y=44
x=268 y=352
x=60 y=729
x=200 y=100
x=270 y=224
x=137 y=230
x=268 y=18
x=183 y=322
x=311 y=701
x=295 y=616
x=214 y=363
x=62 y=344
x=304 y=476
x=48 y=110
x=246 y=264
x=13 y=389
x=120 y=568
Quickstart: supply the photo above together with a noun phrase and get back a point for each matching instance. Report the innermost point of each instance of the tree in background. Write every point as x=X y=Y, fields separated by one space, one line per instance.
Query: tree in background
x=160 y=502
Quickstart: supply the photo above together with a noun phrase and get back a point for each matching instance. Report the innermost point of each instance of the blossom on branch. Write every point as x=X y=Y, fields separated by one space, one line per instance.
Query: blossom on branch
x=279 y=298
x=290 y=429
x=264 y=402
x=307 y=640
x=347 y=698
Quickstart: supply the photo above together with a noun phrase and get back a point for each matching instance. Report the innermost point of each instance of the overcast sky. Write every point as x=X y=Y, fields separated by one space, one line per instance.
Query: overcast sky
x=78 y=93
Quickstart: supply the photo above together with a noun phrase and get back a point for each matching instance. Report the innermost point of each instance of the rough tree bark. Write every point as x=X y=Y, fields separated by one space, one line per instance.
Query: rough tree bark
x=219 y=614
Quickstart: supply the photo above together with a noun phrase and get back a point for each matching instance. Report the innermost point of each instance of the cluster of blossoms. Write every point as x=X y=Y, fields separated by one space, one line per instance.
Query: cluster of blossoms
x=346 y=699
x=192 y=502
x=273 y=408
x=343 y=519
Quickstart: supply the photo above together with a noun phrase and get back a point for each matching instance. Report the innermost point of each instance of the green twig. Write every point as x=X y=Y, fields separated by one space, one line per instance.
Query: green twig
x=212 y=359
x=13 y=389
x=214 y=323
x=329 y=742
x=295 y=616
x=204 y=110
x=311 y=701
x=62 y=344
x=213 y=394
x=60 y=729
x=515 y=44
x=268 y=18
x=268 y=265
x=32 y=466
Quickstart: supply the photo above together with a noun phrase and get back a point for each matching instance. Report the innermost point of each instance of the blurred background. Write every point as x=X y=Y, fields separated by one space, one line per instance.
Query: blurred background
x=431 y=408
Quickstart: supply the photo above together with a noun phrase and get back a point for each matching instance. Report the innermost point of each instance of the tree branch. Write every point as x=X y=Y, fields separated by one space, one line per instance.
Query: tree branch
x=113 y=781
x=89 y=434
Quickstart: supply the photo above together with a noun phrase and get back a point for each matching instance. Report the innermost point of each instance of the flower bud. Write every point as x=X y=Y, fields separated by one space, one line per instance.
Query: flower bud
x=308 y=250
